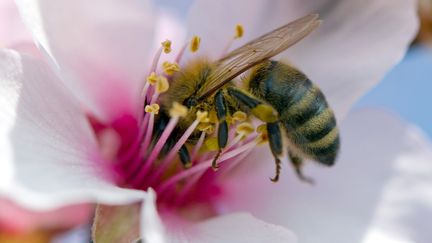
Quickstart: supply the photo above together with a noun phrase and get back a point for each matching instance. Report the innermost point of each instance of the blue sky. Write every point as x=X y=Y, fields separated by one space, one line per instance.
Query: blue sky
x=407 y=89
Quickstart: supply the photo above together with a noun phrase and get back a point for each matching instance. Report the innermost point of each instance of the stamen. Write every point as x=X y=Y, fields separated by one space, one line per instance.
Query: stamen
x=239 y=32
x=165 y=163
x=170 y=68
x=204 y=165
x=166 y=45
x=195 y=43
x=157 y=148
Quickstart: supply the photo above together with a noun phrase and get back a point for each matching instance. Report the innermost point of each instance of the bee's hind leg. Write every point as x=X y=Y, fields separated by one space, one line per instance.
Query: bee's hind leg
x=221 y=112
x=297 y=163
x=275 y=141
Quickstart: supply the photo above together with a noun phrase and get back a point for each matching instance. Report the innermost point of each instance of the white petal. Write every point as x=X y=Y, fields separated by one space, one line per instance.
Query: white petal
x=238 y=227
x=13 y=33
x=358 y=42
x=100 y=47
x=379 y=189
x=46 y=144
x=151 y=227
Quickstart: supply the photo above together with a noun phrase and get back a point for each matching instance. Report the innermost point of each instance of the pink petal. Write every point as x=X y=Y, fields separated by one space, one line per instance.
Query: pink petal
x=48 y=149
x=101 y=48
x=239 y=228
x=378 y=190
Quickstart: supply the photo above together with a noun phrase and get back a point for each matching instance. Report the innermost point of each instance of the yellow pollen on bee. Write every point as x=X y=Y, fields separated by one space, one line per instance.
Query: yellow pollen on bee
x=170 y=68
x=202 y=116
x=212 y=144
x=244 y=129
x=178 y=110
x=166 y=45
x=162 y=84
x=153 y=108
x=195 y=43
x=152 y=78
x=239 y=116
x=239 y=31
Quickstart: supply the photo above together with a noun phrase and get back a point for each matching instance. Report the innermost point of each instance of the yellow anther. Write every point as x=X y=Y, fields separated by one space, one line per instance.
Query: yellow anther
x=162 y=84
x=206 y=127
x=262 y=128
x=178 y=110
x=195 y=43
x=212 y=144
x=245 y=129
x=153 y=78
x=170 y=68
x=166 y=45
x=239 y=31
x=263 y=135
x=154 y=108
x=239 y=116
x=202 y=116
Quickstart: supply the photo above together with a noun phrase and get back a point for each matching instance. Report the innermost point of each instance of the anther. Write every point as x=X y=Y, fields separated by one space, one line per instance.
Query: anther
x=208 y=128
x=166 y=45
x=178 y=110
x=195 y=43
x=212 y=144
x=263 y=136
x=239 y=116
x=170 y=68
x=244 y=129
x=162 y=84
x=152 y=78
x=239 y=31
x=154 y=109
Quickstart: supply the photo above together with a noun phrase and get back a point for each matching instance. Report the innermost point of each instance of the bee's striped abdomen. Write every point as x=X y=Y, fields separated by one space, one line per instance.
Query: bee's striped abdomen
x=304 y=113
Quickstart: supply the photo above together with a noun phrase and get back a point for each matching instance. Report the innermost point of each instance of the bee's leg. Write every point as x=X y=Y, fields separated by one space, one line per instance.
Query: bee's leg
x=185 y=157
x=275 y=142
x=221 y=112
x=297 y=163
x=265 y=113
x=259 y=109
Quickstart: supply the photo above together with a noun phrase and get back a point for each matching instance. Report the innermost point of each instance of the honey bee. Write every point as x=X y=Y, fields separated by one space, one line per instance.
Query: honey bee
x=294 y=109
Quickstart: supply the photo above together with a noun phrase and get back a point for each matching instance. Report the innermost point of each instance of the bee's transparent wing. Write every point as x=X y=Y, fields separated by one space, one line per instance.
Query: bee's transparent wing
x=258 y=50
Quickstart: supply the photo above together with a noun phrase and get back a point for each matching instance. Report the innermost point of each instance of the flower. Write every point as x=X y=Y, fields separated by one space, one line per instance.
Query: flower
x=69 y=125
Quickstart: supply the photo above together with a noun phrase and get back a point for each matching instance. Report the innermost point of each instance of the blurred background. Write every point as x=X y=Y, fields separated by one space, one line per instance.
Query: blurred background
x=406 y=90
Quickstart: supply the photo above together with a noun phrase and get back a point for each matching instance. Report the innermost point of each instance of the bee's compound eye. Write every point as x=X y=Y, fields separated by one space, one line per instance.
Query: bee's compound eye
x=191 y=101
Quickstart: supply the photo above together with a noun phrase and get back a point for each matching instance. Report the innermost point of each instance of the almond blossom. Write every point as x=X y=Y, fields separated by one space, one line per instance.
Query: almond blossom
x=74 y=127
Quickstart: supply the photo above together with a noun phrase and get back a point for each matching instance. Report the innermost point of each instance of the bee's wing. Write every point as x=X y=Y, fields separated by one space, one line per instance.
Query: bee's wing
x=258 y=50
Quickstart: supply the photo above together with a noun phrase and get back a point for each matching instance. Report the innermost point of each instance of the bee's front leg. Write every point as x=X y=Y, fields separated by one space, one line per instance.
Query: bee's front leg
x=221 y=112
